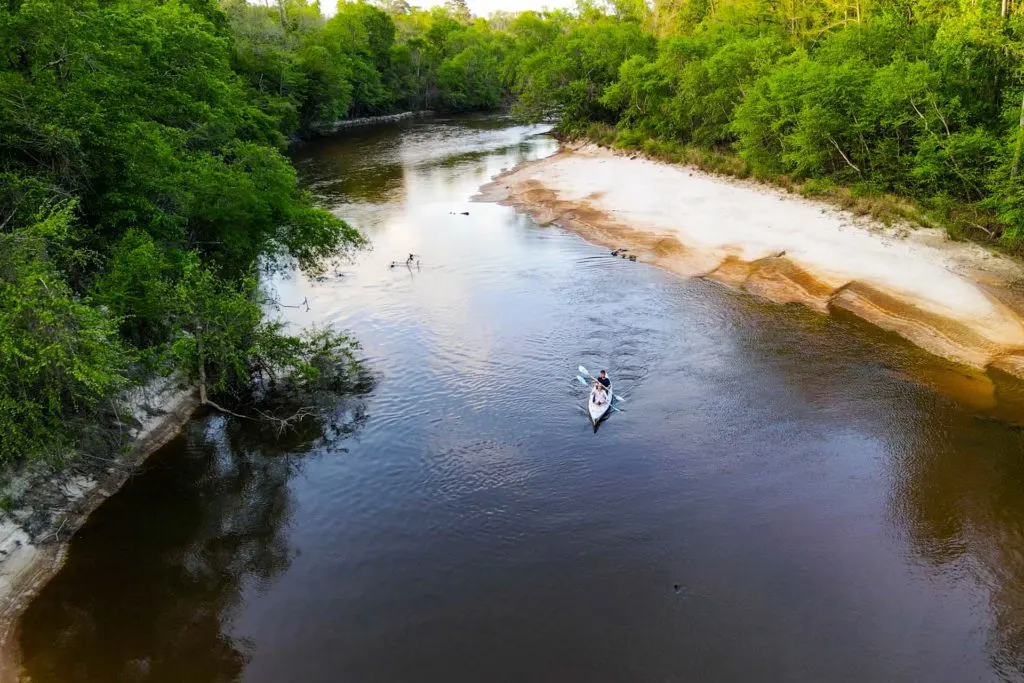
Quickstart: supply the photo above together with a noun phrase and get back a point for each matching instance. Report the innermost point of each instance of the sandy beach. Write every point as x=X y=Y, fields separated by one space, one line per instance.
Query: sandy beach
x=957 y=300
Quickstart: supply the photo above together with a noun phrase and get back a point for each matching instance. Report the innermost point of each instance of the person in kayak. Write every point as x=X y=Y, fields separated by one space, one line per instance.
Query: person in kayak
x=600 y=394
x=602 y=377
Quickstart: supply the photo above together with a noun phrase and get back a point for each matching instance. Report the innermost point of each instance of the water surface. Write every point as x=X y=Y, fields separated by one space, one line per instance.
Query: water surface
x=784 y=496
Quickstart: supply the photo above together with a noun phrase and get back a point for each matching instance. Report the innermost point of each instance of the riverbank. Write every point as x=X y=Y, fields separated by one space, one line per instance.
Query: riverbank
x=956 y=300
x=44 y=506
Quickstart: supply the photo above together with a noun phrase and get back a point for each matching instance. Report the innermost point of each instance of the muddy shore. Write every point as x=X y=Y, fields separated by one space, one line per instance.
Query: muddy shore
x=47 y=507
x=956 y=300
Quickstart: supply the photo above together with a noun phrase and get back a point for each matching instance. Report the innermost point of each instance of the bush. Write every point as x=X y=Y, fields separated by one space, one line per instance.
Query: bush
x=60 y=358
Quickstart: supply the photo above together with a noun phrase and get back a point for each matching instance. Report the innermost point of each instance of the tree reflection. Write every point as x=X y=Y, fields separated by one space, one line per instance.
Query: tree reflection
x=364 y=165
x=155 y=578
x=959 y=494
x=957 y=447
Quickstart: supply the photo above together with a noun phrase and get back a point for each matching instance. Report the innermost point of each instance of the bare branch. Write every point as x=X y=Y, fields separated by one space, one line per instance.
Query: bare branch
x=224 y=410
x=845 y=158
x=941 y=118
x=912 y=104
x=985 y=230
x=282 y=424
x=9 y=217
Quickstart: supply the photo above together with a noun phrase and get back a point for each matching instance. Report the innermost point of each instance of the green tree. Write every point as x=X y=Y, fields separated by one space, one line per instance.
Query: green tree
x=61 y=362
x=133 y=155
x=567 y=79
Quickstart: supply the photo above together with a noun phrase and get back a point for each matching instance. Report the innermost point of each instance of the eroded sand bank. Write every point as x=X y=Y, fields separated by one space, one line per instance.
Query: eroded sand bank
x=34 y=536
x=956 y=300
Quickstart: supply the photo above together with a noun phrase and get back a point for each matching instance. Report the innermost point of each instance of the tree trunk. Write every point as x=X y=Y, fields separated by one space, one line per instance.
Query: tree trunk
x=280 y=10
x=1020 y=143
x=202 y=365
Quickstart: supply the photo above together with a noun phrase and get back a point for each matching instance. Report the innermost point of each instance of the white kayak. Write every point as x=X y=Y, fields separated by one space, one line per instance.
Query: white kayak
x=599 y=410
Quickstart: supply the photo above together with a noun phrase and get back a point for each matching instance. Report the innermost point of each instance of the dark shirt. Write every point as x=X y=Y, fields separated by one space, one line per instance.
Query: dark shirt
x=605 y=381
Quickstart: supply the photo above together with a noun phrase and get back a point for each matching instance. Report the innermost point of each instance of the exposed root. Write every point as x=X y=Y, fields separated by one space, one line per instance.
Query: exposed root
x=281 y=424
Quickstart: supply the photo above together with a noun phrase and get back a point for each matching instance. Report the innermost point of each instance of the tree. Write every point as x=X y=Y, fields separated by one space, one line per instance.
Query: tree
x=567 y=79
x=458 y=10
x=133 y=156
x=61 y=362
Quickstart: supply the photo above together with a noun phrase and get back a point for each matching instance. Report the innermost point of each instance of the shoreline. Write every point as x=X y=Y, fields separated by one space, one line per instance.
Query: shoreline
x=33 y=551
x=956 y=300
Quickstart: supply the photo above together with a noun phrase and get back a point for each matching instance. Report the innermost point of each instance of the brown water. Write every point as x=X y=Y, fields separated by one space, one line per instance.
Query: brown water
x=784 y=496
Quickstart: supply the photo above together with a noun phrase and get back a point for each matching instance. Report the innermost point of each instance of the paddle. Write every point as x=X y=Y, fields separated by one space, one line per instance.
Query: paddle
x=587 y=373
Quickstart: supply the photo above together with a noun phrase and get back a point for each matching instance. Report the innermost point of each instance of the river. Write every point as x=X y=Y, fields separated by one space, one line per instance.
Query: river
x=785 y=496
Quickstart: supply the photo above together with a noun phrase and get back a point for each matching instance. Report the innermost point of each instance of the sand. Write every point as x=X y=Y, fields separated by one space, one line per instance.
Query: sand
x=954 y=299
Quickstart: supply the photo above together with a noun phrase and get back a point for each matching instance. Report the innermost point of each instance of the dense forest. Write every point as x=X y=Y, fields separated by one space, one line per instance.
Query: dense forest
x=144 y=188
x=920 y=100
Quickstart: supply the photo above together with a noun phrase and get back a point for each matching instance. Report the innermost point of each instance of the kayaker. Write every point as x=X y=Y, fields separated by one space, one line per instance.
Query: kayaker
x=602 y=377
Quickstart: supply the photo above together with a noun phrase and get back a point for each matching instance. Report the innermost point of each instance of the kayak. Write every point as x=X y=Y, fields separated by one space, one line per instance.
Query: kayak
x=599 y=410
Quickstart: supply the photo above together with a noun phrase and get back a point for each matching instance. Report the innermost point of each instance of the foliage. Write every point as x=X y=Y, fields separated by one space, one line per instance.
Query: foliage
x=133 y=155
x=311 y=71
x=232 y=351
x=471 y=78
x=60 y=358
x=567 y=78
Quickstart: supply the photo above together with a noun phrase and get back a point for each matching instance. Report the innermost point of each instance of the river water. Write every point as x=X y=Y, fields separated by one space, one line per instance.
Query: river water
x=784 y=496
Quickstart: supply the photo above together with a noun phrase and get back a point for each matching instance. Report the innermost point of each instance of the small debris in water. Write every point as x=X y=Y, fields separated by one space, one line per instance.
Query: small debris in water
x=676 y=587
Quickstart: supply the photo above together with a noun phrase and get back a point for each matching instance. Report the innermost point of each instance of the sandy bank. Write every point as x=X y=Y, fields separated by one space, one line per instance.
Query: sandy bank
x=50 y=506
x=957 y=300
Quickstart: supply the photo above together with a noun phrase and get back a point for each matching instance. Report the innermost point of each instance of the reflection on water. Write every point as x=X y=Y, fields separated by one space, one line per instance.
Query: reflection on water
x=960 y=503
x=176 y=548
x=785 y=497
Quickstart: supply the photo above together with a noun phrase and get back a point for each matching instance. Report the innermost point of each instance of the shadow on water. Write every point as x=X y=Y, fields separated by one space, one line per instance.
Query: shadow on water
x=222 y=491
x=954 y=449
x=961 y=504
